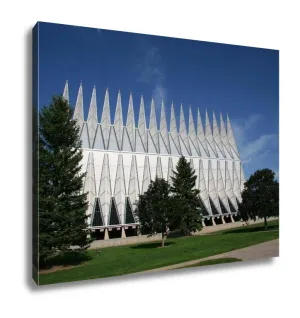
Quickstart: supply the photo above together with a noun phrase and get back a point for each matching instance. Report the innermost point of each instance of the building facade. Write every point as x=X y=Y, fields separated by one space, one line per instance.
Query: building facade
x=121 y=158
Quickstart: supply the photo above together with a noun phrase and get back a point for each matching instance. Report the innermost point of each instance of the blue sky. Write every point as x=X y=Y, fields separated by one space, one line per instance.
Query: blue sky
x=238 y=80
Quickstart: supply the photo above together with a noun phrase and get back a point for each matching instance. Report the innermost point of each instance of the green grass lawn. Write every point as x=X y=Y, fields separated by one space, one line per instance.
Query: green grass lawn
x=128 y=259
x=221 y=260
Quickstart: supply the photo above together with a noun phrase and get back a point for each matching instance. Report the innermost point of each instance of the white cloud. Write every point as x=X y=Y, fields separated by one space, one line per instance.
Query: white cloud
x=256 y=152
x=257 y=146
x=150 y=71
x=149 y=66
x=159 y=93
x=242 y=127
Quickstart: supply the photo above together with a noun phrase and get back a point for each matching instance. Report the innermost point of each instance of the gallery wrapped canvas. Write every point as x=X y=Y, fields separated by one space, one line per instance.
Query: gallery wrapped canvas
x=150 y=153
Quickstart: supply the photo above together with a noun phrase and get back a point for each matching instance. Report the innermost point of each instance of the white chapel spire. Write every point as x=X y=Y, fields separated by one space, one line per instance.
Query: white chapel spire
x=130 y=123
x=153 y=138
x=141 y=140
x=208 y=134
x=66 y=92
x=164 y=135
x=231 y=136
x=200 y=134
x=216 y=135
x=105 y=119
x=174 y=141
x=92 y=120
x=192 y=135
x=185 y=147
x=118 y=123
x=224 y=136
x=78 y=112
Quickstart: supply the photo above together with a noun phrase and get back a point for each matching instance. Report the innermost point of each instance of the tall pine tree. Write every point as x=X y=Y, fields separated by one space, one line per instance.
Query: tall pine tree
x=62 y=203
x=186 y=197
x=154 y=209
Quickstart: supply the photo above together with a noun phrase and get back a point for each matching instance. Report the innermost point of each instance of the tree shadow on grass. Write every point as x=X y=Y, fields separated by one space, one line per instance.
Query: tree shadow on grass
x=67 y=259
x=176 y=234
x=252 y=229
x=151 y=245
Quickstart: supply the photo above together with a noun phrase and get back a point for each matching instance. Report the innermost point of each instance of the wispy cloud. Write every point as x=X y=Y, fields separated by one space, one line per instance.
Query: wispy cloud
x=258 y=146
x=257 y=150
x=151 y=72
x=159 y=93
x=148 y=66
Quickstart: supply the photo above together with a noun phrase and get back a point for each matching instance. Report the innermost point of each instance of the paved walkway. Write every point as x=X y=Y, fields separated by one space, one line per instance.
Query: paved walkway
x=253 y=252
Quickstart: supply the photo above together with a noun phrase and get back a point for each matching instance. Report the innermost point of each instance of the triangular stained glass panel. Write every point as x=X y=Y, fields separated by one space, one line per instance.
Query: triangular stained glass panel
x=129 y=218
x=113 y=217
x=223 y=209
x=203 y=208
x=232 y=208
x=97 y=218
x=213 y=207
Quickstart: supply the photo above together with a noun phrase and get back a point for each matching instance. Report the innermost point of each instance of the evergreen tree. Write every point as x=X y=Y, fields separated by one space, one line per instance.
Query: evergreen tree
x=154 y=209
x=35 y=173
x=260 y=197
x=186 y=197
x=62 y=203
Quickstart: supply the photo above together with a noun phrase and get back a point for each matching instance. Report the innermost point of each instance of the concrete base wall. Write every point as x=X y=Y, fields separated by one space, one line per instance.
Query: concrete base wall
x=226 y=226
x=125 y=241
x=144 y=238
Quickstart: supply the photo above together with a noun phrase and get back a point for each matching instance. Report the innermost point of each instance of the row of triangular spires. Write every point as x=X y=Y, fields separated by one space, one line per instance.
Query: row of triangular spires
x=123 y=177
x=217 y=142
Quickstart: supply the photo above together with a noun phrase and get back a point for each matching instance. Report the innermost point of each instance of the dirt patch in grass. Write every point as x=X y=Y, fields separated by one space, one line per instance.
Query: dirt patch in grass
x=56 y=268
